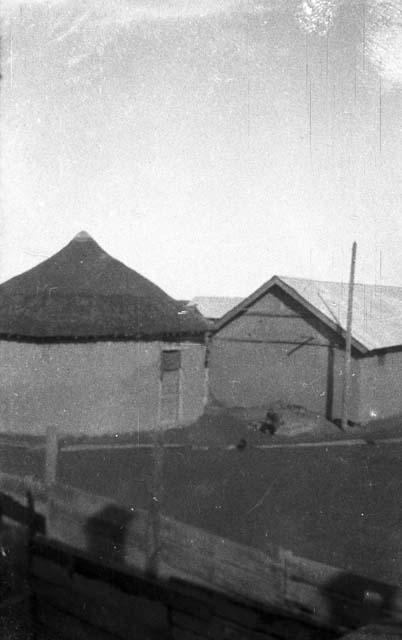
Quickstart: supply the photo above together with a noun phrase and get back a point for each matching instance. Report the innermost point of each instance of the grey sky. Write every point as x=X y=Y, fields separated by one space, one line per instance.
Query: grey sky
x=206 y=144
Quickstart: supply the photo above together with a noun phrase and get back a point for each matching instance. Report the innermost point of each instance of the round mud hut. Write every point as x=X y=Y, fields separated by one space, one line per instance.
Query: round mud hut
x=91 y=347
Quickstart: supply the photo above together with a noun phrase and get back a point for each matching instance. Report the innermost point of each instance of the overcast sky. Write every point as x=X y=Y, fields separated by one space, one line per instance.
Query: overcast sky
x=208 y=144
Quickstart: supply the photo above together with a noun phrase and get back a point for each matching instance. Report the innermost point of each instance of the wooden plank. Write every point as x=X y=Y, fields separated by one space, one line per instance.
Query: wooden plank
x=334 y=609
x=204 y=594
x=376 y=632
x=191 y=561
x=204 y=603
x=122 y=578
x=173 y=530
x=111 y=535
x=199 y=556
x=185 y=634
x=66 y=626
x=168 y=573
x=151 y=612
x=311 y=571
x=307 y=599
x=199 y=593
x=221 y=562
x=97 y=527
x=197 y=553
x=331 y=580
x=100 y=548
x=245 y=616
x=18 y=486
x=216 y=628
x=97 y=509
x=217 y=605
x=290 y=629
x=220 y=629
x=191 y=600
x=261 y=581
x=107 y=616
x=259 y=587
x=190 y=622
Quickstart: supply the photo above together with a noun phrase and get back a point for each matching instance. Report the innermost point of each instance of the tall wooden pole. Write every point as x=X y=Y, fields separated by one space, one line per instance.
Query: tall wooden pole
x=348 y=347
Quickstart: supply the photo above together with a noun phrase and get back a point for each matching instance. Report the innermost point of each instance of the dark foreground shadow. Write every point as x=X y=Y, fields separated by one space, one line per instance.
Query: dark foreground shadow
x=355 y=601
x=25 y=515
x=106 y=534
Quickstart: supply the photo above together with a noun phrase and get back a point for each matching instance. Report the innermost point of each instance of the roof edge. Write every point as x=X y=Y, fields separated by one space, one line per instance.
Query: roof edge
x=65 y=339
x=265 y=288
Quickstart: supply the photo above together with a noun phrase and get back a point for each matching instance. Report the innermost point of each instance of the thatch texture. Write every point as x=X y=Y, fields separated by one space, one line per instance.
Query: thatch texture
x=83 y=293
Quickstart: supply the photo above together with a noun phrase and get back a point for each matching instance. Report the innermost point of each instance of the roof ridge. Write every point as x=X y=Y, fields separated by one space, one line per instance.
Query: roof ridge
x=341 y=282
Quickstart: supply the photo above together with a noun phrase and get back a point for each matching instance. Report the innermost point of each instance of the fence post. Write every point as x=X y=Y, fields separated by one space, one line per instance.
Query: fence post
x=155 y=507
x=285 y=556
x=33 y=608
x=52 y=448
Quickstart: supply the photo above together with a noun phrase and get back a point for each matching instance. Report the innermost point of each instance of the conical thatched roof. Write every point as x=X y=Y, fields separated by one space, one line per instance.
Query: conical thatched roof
x=83 y=293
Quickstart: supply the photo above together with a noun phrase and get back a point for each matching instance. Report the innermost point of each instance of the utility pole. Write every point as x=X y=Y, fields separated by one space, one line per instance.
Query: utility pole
x=348 y=347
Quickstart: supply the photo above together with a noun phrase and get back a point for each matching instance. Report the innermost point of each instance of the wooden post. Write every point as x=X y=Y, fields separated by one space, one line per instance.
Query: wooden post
x=154 y=516
x=155 y=508
x=348 y=346
x=52 y=447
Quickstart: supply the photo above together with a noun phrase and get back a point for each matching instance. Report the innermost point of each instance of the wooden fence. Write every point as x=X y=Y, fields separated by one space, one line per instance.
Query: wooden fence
x=78 y=598
x=118 y=538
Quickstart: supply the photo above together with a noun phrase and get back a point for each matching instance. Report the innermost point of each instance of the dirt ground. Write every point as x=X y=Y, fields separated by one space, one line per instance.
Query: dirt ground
x=335 y=504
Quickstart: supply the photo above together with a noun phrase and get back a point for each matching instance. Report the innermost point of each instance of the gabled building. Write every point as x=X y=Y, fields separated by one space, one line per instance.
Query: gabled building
x=286 y=341
x=92 y=347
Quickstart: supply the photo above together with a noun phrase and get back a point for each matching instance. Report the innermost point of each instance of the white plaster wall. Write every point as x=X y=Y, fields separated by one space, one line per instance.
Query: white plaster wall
x=93 y=388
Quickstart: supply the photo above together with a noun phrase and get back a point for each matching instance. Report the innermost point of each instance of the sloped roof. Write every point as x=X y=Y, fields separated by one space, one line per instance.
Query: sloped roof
x=377 y=309
x=82 y=292
x=214 y=307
